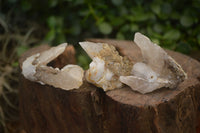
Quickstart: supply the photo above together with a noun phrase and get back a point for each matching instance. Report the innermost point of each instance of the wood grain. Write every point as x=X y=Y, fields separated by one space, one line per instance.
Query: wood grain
x=45 y=109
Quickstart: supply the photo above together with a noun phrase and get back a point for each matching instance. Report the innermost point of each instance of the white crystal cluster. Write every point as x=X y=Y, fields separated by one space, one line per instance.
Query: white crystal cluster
x=108 y=69
x=101 y=70
x=156 y=70
x=99 y=74
x=35 y=68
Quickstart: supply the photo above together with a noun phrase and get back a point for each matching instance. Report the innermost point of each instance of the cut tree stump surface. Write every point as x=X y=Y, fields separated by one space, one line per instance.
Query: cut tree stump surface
x=45 y=109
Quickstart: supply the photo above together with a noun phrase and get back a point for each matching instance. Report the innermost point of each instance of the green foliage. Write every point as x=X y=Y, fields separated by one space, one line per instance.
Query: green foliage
x=55 y=33
x=83 y=61
x=21 y=49
x=171 y=23
x=105 y=28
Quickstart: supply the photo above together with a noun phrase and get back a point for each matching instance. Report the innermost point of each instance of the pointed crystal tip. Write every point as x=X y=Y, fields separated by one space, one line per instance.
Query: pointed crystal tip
x=91 y=48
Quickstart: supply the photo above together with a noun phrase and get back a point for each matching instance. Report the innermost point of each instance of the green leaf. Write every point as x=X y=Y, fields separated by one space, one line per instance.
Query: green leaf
x=117 y=2
x=122 y=11
x=125 y=28
x=183 y=48
x=26 y=5
x=134 y=27
x=116 y=21
x=105 y=28
x=186 y=21
x=60 y=38
x=52 y=3
x=21 y=49
x=76 y=29
x=120 y=36
x=139 y=2
x=155 y=8
x=84 y=13
x=84 y=61
x=175 y=15
x=172 y=35
x=156 y=41
x=50 y=36
x=51 y=21
x=158 y=28
x=166 y=8
x=15 y=64
x=142 y=16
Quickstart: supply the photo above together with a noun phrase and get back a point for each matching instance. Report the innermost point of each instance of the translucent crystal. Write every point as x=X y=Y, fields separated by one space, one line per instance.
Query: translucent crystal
x=157 y=69
x=35 y=68
x=107 y=65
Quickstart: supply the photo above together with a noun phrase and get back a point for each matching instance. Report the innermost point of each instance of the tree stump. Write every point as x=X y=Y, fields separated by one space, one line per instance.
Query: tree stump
x=45 y=109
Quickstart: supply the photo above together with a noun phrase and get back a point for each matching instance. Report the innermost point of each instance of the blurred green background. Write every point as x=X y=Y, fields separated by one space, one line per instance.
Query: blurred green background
x=173 y=24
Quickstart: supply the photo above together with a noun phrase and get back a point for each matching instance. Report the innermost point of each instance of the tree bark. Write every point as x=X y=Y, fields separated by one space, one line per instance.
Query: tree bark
x=45 y=109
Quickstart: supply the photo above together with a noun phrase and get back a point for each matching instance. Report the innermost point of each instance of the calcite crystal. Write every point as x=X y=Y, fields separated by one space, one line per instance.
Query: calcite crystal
x=107 y=65
x=157 y=69
x=35 y=68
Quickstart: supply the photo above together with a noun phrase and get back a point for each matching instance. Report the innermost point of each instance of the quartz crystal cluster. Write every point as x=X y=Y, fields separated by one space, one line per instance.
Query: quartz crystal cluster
x=108 y=69
x=107 y=65
x=156 y=70
x=35 y=68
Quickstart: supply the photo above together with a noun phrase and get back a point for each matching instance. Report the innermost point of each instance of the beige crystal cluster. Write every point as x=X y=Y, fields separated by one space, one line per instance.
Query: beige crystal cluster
x=108 y=69
x=157 y=69
x=107 y=65
x=35 y=68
